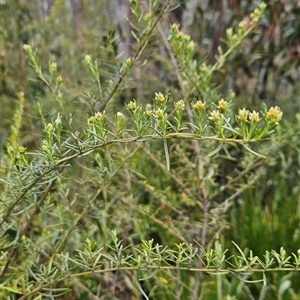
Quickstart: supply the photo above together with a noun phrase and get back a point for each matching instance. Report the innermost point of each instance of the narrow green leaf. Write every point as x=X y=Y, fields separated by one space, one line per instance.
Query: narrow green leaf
x=167 y=154
x=240 y=250
x=108 y=154
x=253 y=152
x=216 y=150
x=140 y=288
x=12 y=290
x=150 y=275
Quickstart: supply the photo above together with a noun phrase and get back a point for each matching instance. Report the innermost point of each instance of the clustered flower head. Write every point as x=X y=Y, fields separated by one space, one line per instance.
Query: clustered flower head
x=191 y=46
x=131 y=106
x=222 y=106
x=59 y=79
x=160 y=113
x=45 y=148
x=53 y=66
x=22 y=149
x=148 y=112
x=186 y=37
x=49 y=127
x=159 y=98
x=254 y=117
x=243 y=115
x=175 y=27
x=199 y=107
x=274 y=115
x=120 y=116
x=87 y=59
x=128 y=62
x=180 y=35
x=26 y=48
x=179 y=105
x=215 y=116
x=91 y=119
x=98 y=117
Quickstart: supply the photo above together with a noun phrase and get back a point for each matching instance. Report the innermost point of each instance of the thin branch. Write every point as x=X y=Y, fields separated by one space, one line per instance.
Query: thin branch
x=101 y=105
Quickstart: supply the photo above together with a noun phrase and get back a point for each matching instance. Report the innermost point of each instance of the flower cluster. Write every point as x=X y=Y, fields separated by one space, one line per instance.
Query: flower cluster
x=215 y=116
x=119 y=123
x=160 y=99
x=97 y=125
x=243 y=115
x=179 y=105
x=157 y=120
x=249 y=122
x=245 y=26
x=199 y=107
x=87 y=59
x=222 y=106
x=274 y=115
x=131 y=106
x=182 y=44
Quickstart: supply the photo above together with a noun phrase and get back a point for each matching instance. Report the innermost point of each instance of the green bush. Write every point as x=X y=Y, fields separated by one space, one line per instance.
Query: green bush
x=120 y=181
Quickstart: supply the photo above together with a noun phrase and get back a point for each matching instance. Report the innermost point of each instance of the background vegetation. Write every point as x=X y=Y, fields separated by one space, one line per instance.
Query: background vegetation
x=126 y=191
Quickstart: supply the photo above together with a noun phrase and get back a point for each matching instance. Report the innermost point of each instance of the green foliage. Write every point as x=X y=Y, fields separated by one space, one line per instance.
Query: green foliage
x=175 y=193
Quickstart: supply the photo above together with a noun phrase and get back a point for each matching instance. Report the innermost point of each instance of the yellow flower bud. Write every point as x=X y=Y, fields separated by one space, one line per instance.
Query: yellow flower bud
x=191 y=46
x=274 y=115
x=175 y=27
x=49 y=127
x=131 y=106
x=87 y=59
x=159 y=98
x=243 y=115
x=120 y=115
x=160 y=113
x=99 y=116
x=22 y=150
x=215 y=116
x=179 y=105
x=254 y=117
x=91 y=120
x=26 y=48
x=222 y=106
x=199 y=106
x=53 y=66
x=59 y=79
x=128 y=62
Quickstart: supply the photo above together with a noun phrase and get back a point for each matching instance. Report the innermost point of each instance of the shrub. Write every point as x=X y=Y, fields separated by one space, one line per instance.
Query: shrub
x=134 y=200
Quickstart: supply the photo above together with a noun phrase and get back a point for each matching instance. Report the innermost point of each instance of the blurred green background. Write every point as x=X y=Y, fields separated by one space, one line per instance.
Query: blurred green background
x=144 y=200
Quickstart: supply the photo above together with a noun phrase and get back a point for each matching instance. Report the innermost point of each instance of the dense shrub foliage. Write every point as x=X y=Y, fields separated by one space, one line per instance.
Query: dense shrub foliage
x=150 y=150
